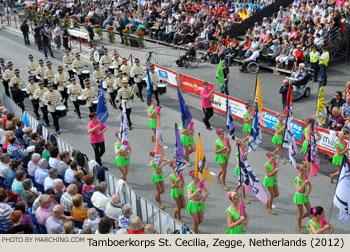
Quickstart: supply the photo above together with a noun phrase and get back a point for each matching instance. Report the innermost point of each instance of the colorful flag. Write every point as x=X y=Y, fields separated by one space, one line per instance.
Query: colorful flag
x=123 y=130
x=248 y=178
x=289 y=102
x=312 y=153
x=25 y=119
x=342 y=196
x=179 y=154
x=149 y=88
x=229 y=120
x=321 y=112
x=186 y=116
x=258 y=95
x=255 y=136
x=159 y=148
x=102 y=109
x=201 y=168
x=220 y=74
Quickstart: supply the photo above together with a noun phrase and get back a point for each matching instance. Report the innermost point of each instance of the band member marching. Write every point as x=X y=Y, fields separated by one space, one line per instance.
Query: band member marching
x=49 y=74
x=116 y=64
x=155 y=81
x=52 y=99
x=68 y=63
x=74 y=91
x=118 y=82
x=7 y=76
x=31 y=87
x=40 y=70
x=89 y=95
x=125 y=95
x=39 y=96
x=125 y=67
x=137 y=73
x=60 y=80
x=16 y=79
x=78 y=65
x=91 y=51
x=110 y=82
x=31 y=66
x=105 y=61
x=97 y=75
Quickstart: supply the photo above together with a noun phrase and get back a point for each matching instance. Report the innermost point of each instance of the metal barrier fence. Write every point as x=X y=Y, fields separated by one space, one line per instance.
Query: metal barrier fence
x=149 y=213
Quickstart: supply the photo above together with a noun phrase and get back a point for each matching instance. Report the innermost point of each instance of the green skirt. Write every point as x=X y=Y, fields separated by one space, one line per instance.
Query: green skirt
x=175 y=193
x=235 y=230
x=277 y=139
x=152 y=123
x=247 y=127
x=300 y=199
x=270 y=181
x=193 y=207
x=305 y=145
x=220 y=158
x=121 y=161
x=186 y=140
x=237 y=170
x=337 y=160
x=157 y=177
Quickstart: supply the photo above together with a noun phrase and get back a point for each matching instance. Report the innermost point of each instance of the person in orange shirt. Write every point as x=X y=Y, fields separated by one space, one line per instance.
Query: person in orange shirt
x=347 y=90
x=79 y=211
x=212 y=48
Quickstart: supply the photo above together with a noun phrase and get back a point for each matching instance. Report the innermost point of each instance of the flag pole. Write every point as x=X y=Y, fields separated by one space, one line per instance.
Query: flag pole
x=240 y=179
x=256 y=84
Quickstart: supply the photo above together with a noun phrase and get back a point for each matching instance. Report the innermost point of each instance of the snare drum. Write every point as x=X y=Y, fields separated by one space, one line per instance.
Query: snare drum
x=61 y=110
x=37 y=78
x=161 y=88
x=111 y=69
x=80 y=100
x=104 y=85
x=85 y=74
x=94 y=104
x=24 y=91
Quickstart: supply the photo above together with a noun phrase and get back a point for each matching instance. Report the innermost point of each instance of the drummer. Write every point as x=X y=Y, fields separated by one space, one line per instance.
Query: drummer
x=116 y=64
x=52 y=99
x=31 y=87
x=97 y=75
x=155 y=81
x=109 y=83
x=40 y=70
x=78 y=65
x=8 y=75
x=60 y=80
x=39 y=96
x=126 y=69
x=105 y=61
x=31 y=66
x=74 y=91
x=49 y=73
x=91 y=51
x=89 y=95
x=118 y=82
x=137 y=73
x=125 y=95
x=16 y=79
x=68 y=63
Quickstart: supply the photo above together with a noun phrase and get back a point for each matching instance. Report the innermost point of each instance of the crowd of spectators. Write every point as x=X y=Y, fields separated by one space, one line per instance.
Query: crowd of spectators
x=43 y=190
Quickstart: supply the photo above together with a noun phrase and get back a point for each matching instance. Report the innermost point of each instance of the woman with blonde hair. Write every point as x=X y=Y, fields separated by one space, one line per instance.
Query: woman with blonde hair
x=136 y=226
x=237 y=217
x=7 y=136
x=222 y=150
x=68 y=227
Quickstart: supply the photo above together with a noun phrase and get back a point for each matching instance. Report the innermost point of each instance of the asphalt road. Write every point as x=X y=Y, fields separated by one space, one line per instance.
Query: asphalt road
x=260 y=221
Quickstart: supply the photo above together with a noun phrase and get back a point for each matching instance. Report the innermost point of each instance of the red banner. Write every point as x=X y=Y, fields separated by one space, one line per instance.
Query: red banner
x=192 y=85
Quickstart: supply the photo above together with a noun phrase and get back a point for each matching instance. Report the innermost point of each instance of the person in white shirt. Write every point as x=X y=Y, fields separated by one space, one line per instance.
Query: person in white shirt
x=62 y=165
x=33 y=164
x=252 y=58
x=41 y=173
x=69 y=174
x=54 y=160
x=48 y=182
x=92 y=221
x=100 y=198
x=114 y=207
x=4 y=164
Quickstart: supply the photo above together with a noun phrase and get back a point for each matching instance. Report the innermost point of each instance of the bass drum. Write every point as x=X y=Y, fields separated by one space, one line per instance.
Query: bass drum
x=24 y=91
x=97 y=55
x=61 y=110
x=161 y=88
x=80 y=100
x=94 y=104
x=85 y=74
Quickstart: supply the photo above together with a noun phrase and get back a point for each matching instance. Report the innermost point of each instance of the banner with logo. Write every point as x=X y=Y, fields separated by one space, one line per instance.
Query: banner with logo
x=167 y=76
x=192 y=85
x=237 y=106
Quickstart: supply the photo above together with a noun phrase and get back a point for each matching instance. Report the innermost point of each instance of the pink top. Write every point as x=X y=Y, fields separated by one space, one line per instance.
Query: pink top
x=206 y=102
x=42 y=214
x=94 y=137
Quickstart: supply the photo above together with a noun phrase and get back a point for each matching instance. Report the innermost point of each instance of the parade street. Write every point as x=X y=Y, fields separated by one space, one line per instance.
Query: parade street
x=74 y=132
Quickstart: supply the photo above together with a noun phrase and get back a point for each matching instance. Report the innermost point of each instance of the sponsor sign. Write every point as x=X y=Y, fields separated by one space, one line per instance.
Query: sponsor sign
x=192 y=85
x=167 y=76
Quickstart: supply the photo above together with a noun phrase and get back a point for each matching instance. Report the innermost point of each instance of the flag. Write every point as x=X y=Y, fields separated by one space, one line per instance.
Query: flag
x=186 y=116
x=123 y=130
x=201 y=169
x=179 y=154
x=255 y=136
x=312 y=153
x=342 y=196
x=229 y=120
x=102 y=110
x=321 y=112
x=258 y=95
x=159 y=148
x=220 y=75
x=289 y=102
x=25 y=119
x=149 y=88
x=248 y=178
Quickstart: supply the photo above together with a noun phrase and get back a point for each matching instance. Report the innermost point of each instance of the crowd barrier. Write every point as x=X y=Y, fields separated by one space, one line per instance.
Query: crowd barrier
x=162 y=222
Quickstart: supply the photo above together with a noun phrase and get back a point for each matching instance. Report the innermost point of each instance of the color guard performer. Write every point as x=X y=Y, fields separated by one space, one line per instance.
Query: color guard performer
x=89 y=95
x=52 y=99
x=17 y=79
x=155 y=81
x=31 y=66
x=78 y=65
x=39 y=96
x=49 y=73
x=97 y=75
x=68 y=63
x=3 y=68
x=110 y=82
x=60 y=80
x=105 y=61
x=138 y=73
x=125 y=95
x=8 y=75
x=74 y=91
x=40 y=70
x=31 y=87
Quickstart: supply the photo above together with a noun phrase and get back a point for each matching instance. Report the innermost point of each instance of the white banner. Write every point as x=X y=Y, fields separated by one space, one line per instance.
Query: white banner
x=167 y=76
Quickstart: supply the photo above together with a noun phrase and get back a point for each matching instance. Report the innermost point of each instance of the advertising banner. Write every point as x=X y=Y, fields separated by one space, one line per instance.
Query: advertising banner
x=192 y=85
x=167 y=76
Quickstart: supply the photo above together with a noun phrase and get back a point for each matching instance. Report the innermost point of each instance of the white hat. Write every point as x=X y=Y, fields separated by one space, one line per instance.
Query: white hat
x=302 y=64
x=30 y=148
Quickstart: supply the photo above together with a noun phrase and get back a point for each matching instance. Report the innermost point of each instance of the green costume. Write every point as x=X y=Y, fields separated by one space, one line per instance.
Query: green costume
x=237 y=166
x=277 y=138
x=270 y=181
x=338 y=159
x=315 y=225
x=299 y=197
x=306 y=142
x=175 y=191
x=221 y=158
x=121 y=160
x=235 y=217
x=186 y=138
x=158 y=175
x=152 y=121
x=247 y=127
x=192 y=205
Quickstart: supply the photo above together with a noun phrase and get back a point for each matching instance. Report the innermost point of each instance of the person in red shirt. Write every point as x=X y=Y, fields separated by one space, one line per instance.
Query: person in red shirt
x=96 y=130
x=136 y=226
x=228 y=40
x=299 y=57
